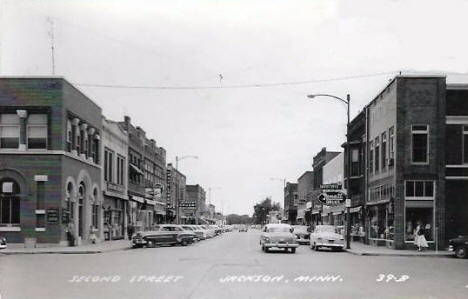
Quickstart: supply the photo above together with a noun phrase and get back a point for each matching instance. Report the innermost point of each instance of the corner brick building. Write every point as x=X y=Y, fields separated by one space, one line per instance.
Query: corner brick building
x=50 y=176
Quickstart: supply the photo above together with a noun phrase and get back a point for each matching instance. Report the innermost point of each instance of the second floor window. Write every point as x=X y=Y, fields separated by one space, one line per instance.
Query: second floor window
x=420 y=143
x=108 y=165
x=120 y=169
x=377 y=154
x=371 y=157
x=384 y=150
x=9 y=131
x=391 y=146
x=37 y=131
x=465 y=144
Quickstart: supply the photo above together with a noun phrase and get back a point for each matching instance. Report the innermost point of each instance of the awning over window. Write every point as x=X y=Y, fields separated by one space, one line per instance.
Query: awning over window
x=355 y=210
x=136 y=169
x=137 y=198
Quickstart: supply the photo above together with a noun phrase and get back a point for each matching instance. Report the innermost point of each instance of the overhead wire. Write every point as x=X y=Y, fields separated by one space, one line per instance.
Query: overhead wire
x=251 y=85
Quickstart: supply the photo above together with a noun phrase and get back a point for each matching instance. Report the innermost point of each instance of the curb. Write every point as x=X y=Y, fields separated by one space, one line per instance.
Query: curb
x=399 y=254
x=65 y=252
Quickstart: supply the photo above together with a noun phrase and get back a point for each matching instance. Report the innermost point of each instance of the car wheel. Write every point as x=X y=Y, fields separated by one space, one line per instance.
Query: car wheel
x=266 y=249
x=150 y=244
x=316 y=248
x=460 y=252
x=293 y=250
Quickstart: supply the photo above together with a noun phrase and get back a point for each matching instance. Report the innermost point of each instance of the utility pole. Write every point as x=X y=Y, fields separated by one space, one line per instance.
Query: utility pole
x=52 y=43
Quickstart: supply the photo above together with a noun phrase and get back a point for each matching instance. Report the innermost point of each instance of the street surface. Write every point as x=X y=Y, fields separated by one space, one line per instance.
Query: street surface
x=230 y=266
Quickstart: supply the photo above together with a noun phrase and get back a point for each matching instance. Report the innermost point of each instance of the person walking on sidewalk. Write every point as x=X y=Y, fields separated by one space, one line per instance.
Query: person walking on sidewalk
x=419 y=238
x=130 y=231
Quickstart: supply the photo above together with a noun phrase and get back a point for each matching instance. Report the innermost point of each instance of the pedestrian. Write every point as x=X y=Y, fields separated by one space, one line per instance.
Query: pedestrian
x=71 y=233
x=420 y=239
x=130 y=231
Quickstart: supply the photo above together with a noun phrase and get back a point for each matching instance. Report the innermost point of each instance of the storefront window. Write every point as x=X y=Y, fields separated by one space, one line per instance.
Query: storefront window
x=421 y=216
x=9 y=202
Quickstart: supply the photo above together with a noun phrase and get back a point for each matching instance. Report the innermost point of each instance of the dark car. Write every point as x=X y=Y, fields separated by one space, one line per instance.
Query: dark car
x=459 y=246
x=163 y=235
x=3 y=243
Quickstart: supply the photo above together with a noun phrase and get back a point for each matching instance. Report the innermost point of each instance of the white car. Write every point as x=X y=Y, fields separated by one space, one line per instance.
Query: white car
x=278 y=236
x=210 y=233
x=326 y=236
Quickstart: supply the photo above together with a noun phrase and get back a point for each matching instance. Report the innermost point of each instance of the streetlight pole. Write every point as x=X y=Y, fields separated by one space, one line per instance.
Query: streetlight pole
x=348 y=158
x=177 y=158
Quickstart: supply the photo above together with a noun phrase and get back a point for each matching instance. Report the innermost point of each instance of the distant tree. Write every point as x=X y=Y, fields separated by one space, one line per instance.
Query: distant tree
x=262 y=209
x=238 y=219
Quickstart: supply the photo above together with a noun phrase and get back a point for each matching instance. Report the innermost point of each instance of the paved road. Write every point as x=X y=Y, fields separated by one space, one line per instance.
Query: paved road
x=207 y=270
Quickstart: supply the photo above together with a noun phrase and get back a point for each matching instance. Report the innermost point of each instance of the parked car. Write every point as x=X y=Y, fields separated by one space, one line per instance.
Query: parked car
x=201 y=233
x=190 y=229
x=3 y=243
x=459 y=246
x=326 y=236
x=163 y=235
x=243 y=228
x=217 y=229
x=278 y=236
x=209 y=231
x=302 y=233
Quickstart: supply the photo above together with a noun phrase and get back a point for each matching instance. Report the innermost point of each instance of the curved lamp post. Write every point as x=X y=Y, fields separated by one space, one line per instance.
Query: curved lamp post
x=347 y=101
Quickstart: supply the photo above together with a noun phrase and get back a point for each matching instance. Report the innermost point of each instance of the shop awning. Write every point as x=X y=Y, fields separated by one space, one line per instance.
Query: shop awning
x=355 y=210
x=161 y=212
x=337 y=213
x=150 y=202
x=315 y=212
x=138 y=170
x=137 y=198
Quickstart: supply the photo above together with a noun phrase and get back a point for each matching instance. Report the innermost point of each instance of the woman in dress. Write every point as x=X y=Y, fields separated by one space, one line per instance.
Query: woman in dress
x=419 y=238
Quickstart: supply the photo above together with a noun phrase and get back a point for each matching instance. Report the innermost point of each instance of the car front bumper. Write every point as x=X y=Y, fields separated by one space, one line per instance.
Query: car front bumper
x=281 y=245
x=330 y=245
x=3 y=246
x=451 y=248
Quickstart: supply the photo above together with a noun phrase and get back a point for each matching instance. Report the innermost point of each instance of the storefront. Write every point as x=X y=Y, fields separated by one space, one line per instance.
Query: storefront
x=419 y=210
x=114 y=220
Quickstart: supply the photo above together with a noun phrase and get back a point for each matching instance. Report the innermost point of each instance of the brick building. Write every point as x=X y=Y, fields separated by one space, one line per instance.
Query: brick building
x=305 y=184
x=140 y=212
x=196 y=196
x=175 y=194
x=50 y=173
x=412 y=138
x=290 y=202
x=114 y=179
x=319 y=160
x=154 y=168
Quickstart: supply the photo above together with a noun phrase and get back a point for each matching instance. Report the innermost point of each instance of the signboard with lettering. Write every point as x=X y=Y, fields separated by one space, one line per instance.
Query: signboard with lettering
x=52 y=215
x=188 y=204
x=332 y=194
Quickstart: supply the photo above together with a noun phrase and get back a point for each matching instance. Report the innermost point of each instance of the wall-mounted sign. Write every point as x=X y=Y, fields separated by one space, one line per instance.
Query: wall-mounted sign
x=334 y=186
x=332 y=198
x=52 y=215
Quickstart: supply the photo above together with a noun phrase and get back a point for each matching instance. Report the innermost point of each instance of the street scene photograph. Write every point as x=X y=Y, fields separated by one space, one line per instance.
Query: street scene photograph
x=208 y=149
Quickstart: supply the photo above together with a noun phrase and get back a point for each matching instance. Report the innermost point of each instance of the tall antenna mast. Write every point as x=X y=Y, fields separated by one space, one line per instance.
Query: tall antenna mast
x=52 y=49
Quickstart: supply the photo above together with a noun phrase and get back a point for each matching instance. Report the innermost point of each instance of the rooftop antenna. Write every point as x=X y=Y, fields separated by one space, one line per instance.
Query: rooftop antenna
x=52 y=49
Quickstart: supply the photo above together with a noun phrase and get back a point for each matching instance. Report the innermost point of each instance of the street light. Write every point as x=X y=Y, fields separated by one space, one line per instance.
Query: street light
x=177 y=158
x=348 y=170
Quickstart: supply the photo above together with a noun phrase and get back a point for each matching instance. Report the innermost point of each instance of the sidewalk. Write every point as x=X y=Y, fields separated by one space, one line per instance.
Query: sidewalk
x=106 y=246
x=358 y=248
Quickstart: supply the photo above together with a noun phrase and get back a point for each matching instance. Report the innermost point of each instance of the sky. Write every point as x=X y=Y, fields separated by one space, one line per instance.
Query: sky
x=227 y=80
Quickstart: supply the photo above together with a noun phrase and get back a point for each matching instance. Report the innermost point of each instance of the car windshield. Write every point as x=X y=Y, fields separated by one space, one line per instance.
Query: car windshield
x=278 y=229
x=326 y=229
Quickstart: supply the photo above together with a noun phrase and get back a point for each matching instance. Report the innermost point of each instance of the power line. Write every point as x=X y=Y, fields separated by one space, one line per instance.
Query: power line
x=252 y=85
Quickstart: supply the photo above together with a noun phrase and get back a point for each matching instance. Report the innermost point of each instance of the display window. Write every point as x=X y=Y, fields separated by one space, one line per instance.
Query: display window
x=422 y=217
